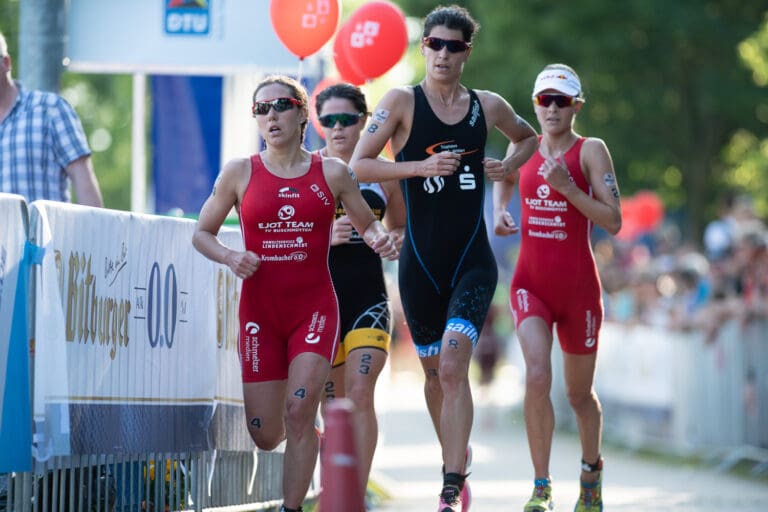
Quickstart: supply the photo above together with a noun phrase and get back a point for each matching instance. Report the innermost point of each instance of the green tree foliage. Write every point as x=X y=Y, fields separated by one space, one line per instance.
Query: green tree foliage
x=664 y=84
x=104 y=103
x=747 y=154
x=754 y=52
x=9 y=25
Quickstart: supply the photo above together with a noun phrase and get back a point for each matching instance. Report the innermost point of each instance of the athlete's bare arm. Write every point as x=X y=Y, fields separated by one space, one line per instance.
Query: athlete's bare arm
x=227 y=192
x=605 y=211
x=391 y=121
x=603 y=208
x=394 y=218
x=340 y=179
x=503 y=223
x=499 y=114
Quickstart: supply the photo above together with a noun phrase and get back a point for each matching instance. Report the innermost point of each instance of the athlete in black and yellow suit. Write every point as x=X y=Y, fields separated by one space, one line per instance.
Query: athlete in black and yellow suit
x=358 y=275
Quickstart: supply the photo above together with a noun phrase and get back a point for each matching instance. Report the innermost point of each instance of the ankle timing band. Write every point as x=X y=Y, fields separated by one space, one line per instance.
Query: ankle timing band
x=591 y=468
x=456 y=479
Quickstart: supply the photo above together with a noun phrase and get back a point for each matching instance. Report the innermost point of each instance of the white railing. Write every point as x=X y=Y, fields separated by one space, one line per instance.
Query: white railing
x=131 y=340
x=674 y=391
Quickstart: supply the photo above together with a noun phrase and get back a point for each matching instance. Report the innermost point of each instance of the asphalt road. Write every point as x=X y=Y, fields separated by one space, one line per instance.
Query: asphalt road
x=407 y=463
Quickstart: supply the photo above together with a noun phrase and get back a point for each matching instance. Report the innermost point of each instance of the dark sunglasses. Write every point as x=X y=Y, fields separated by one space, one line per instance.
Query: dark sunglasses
x=344 y=119
x=560 y=100
x=453 y=45
x=261 y=108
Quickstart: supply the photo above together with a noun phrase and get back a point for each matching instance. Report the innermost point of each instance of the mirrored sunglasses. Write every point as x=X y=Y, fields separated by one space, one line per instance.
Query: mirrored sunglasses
x=560 y=100
x=453 y=45
x=344 y=119
x=261 y=108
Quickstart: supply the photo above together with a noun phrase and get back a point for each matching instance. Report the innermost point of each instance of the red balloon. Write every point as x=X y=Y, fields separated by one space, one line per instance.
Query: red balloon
x=304 y=26
x=322 y=84
x=640 y=214
x=629 y=228
x=651 y=209
x=341 y=57
x=377 y=38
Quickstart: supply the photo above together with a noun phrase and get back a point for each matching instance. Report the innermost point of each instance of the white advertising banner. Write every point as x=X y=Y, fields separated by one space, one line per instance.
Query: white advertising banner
x=15 y=435
x=202 y=37
x=229 y=430
x=126 y=333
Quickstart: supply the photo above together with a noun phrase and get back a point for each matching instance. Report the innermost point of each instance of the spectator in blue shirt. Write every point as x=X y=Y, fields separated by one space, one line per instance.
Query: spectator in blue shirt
x=43 y=149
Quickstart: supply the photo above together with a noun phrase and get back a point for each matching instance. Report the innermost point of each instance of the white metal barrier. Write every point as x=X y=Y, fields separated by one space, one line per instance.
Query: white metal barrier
x=672 y=391
x=137 y=400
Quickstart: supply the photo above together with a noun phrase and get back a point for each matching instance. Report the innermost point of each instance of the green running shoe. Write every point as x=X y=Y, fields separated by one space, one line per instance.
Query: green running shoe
x=541 y=499
x=591 y=497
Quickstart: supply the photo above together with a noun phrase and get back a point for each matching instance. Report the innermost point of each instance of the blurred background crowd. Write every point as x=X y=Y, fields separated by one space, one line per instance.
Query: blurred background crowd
x=661 y=279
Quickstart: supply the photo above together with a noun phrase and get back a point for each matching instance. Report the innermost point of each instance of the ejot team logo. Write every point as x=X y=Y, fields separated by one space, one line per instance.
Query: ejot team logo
x=286 y=212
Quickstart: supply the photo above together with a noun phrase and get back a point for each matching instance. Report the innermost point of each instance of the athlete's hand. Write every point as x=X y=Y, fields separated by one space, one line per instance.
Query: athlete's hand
x=504 y=224
x=342 y=230
x=385 y=246
x=398 y=235
x=554 y=171
x=243 y=264
x=495 y=169
x=444 y=163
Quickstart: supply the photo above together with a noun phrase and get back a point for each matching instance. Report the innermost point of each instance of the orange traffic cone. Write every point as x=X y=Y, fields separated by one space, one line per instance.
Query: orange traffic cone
x=339 y=476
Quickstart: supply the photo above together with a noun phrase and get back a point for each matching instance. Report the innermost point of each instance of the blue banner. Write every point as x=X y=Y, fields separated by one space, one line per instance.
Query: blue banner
x=186 y=141
x=16 y=414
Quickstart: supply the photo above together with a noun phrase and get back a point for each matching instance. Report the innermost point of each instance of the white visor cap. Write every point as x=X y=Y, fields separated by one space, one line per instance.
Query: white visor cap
x=559 y=79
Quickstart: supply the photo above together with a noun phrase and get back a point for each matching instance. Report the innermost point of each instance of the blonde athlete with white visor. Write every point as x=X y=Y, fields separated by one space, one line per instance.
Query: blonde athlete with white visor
x=566 y=187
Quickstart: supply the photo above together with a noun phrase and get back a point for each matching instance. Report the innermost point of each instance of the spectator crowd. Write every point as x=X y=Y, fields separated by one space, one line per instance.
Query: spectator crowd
x=657 y=279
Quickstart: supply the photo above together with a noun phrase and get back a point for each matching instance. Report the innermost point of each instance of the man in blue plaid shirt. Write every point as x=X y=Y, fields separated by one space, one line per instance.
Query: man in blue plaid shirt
x=43 y=150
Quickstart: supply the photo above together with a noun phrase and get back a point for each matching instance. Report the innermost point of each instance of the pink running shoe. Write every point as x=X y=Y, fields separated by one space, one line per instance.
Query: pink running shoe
x=466 y=492
x=466 y=497
x=450 y=499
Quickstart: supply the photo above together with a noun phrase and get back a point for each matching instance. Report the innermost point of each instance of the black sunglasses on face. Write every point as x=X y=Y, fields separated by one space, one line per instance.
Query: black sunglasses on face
x=344 y=119
x=261 y=108
x=453 y=45
x=560 y=100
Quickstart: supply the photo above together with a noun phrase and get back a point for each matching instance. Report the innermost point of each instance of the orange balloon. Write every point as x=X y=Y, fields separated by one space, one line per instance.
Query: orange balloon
x=322 y=84
x=304 y=26
x=377 y=38
x=341 y=57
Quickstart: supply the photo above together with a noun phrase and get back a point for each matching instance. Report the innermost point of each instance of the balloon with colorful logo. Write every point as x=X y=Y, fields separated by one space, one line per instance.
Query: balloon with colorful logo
x=341 y=57
x=376 y=39
x=304 y=26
